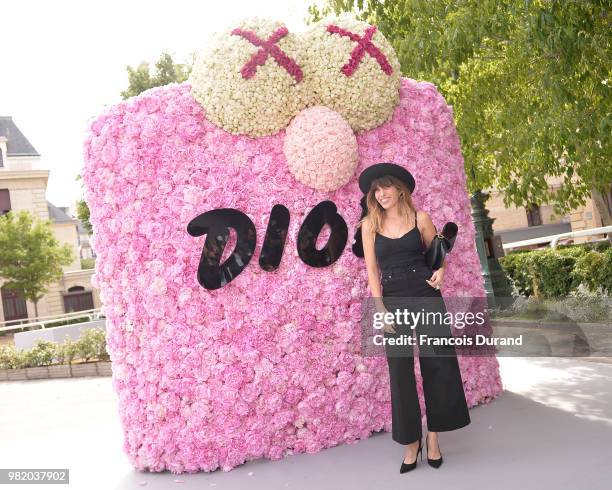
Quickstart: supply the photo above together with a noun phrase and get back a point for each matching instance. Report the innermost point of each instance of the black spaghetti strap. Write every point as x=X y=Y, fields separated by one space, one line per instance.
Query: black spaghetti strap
x=417 y=226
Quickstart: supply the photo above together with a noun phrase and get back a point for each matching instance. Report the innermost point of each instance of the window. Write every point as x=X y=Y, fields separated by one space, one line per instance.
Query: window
x=5 y=201
x=14 y=305
x=608 y=199
x=77 y=299
x=534 y=218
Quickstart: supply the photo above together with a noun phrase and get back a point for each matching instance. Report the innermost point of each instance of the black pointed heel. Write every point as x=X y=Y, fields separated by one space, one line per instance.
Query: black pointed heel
x=434 y=463
x=411 y=466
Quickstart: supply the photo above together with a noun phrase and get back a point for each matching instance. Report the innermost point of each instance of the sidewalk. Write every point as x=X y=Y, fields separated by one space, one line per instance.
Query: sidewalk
x=550 y=429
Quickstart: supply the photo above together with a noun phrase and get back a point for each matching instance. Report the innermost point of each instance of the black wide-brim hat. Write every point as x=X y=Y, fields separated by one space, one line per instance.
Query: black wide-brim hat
x=380 y=169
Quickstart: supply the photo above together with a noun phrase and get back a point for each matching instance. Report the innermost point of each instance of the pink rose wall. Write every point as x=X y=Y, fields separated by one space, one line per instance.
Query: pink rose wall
x=270 y=363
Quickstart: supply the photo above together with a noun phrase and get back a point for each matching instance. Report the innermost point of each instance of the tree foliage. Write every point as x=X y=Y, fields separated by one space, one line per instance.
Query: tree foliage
x=82 y=211
x=166 y=71
x=529 y=82
x=30 y=256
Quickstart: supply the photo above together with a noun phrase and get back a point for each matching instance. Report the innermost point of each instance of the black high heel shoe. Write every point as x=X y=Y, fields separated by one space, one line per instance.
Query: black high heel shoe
x=411 y=466
x=435 y=463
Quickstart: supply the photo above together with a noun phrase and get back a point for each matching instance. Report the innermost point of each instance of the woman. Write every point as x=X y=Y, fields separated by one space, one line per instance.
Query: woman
x=394 y=236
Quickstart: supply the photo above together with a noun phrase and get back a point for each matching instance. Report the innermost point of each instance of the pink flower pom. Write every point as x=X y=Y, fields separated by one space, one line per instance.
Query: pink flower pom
x=321 y=149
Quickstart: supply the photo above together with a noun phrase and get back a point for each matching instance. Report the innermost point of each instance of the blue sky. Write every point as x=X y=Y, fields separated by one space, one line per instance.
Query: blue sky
x=63 y=61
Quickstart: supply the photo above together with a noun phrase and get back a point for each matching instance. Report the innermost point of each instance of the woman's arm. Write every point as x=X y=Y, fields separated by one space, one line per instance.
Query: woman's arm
x=367 y=238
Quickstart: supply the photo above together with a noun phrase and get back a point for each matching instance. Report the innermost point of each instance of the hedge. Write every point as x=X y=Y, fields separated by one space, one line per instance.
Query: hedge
x=90 y=346
x=554 y=273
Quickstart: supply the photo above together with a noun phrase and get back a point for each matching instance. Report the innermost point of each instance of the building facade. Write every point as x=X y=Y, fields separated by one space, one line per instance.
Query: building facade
x=514 y=224
x=23 y=185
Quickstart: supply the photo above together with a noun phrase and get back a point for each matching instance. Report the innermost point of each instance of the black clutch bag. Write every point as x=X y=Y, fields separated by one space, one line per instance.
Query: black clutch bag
x=440 y=245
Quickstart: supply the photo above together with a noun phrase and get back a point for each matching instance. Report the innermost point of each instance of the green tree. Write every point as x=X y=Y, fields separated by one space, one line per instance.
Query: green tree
x=30 y=256
x=83 y=212
x=529 y=82
x=140 y=78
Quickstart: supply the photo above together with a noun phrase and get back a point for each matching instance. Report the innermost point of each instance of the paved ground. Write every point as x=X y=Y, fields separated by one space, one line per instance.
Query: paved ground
x=551 y=429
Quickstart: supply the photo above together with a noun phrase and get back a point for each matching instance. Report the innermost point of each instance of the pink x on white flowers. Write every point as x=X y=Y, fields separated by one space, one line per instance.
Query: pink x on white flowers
x=268 y=48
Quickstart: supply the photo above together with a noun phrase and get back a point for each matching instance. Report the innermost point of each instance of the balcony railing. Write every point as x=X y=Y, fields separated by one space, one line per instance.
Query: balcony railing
x=43 y=321
x=554 y=239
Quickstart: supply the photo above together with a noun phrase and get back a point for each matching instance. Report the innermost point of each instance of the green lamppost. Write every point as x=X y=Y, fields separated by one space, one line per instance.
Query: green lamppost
x=489 y=250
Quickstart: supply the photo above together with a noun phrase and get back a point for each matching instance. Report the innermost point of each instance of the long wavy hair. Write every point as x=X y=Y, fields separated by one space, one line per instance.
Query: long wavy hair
x=374 y=212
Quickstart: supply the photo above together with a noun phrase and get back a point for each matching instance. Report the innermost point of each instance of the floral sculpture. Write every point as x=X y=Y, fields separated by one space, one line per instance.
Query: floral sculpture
x=270 y=363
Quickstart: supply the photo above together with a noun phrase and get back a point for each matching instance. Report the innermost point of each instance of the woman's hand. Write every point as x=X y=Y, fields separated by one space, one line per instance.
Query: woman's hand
x=389 y=327
x=436 y=279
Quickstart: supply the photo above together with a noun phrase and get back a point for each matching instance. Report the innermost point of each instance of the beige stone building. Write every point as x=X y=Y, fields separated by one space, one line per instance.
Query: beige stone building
x=23 y=184
x=514 y=224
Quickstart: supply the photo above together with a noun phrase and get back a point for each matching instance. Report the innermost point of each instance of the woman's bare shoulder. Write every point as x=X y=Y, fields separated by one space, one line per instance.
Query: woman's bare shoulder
x=423 y=219
x=367 y=225
x=423 y=215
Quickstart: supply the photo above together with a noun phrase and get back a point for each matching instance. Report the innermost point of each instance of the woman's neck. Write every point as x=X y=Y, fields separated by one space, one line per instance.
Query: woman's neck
x=393 y=212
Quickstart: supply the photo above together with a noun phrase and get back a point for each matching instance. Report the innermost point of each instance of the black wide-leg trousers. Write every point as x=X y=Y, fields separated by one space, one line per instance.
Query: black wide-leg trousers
x=445 y=404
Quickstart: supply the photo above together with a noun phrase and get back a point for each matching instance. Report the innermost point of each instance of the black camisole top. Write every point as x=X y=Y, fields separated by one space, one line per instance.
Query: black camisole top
x=399 y=252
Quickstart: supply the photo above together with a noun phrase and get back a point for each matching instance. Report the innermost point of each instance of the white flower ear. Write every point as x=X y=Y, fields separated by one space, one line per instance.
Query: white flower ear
x=353 y=70
x=257 y=75
x=250 y=80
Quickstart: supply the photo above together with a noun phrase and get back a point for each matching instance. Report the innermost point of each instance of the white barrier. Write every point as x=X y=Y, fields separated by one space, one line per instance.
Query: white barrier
x=26 y=340
x=553 y=239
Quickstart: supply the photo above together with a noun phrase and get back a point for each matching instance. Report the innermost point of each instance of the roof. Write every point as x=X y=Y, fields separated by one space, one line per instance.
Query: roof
x=57 y=215
x=17 y=144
